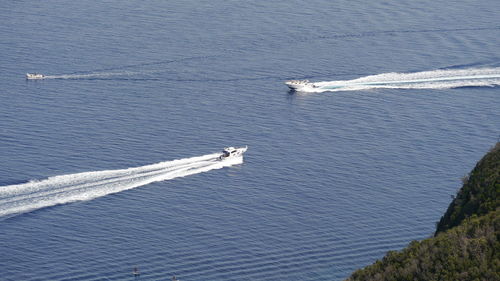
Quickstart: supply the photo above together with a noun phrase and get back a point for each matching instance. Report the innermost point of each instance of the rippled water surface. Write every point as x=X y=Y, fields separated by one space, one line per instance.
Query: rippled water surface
x=89 y=188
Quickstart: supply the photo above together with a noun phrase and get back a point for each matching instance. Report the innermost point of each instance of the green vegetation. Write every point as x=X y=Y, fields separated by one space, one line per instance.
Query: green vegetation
x=466 y=244
x=478 y=195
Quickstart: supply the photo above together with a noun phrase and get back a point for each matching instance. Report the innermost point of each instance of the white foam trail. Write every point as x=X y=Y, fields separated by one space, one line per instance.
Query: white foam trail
x=436 y=79
x=22 y=198
x=98 y=75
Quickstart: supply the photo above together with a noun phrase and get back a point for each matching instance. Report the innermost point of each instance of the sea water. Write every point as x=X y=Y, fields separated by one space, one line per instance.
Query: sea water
x=109 y=163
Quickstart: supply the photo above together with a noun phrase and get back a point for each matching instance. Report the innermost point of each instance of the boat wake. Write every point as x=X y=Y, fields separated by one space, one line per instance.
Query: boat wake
x=122 y=71
x=98 y=75
x=26 y=197
x=436 y=79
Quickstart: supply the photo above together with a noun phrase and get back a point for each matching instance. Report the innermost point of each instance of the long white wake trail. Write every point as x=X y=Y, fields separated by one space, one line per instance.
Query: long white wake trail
x=22 y=198
x=102 y=75
x=435 y=79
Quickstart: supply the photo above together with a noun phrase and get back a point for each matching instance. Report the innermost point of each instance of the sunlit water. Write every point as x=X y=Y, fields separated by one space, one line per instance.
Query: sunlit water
x=330 y=182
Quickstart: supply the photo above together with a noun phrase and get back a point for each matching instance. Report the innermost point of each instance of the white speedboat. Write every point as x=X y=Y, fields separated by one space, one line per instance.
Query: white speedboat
x=298 y=85
x=231 y=152
x=33 y=76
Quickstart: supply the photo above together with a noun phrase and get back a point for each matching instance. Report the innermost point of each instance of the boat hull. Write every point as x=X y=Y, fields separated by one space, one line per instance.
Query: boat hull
x=234 y=153
x=34 y=76
x=299 y=85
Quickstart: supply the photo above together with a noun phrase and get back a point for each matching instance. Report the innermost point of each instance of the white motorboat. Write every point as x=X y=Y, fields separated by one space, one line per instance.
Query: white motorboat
x=33 y=76
x=298 y=85
x=231 y=152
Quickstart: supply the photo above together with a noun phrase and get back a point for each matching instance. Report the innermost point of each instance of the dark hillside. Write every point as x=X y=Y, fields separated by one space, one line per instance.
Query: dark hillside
x=478 y=195
x=466 y=244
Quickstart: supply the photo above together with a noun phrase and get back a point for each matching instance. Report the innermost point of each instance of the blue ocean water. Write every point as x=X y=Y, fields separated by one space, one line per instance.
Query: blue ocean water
x=330 y=182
